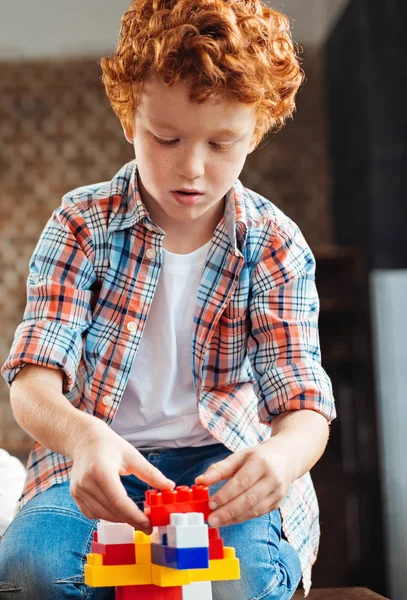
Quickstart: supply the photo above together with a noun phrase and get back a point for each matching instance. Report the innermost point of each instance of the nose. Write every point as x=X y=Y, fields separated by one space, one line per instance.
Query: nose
x=191 y=163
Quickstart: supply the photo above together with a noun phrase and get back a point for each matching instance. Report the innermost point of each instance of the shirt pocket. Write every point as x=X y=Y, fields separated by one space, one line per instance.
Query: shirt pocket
x=228 y=351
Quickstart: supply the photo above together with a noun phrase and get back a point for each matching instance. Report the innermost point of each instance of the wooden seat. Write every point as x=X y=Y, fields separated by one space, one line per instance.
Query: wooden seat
x=340 y=594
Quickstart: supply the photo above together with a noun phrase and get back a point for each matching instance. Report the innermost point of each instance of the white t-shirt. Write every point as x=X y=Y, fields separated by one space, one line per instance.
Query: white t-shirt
x=159 y=406
x=12 y=477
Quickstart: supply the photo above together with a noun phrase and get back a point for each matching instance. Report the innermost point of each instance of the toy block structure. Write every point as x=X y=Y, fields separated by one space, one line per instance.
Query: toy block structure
x=178 y=561
x=183 y=499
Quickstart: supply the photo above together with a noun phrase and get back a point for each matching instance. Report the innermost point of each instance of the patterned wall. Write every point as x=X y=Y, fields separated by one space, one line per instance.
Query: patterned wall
x=58 y=132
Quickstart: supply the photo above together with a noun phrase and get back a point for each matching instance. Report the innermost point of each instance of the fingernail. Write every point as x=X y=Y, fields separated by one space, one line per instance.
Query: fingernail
x=214 y=521
x=212 y=504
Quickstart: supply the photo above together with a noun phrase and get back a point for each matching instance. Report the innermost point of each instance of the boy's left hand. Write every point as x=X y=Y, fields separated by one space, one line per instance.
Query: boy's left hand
x=259 y=481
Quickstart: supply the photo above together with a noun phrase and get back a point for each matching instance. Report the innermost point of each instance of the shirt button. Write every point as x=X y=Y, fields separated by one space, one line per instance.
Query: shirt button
x=151 y=253
x=108 y=400
x=131 y=326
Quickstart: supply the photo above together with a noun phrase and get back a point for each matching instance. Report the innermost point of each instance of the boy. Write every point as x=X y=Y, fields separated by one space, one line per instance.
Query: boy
x=170 y=335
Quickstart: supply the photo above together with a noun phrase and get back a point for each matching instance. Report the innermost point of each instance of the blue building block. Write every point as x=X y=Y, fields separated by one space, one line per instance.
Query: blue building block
x=180 y=558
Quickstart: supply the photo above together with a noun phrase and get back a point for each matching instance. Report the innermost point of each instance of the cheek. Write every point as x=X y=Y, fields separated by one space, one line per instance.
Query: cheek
x=151 y=162
x=228 y=168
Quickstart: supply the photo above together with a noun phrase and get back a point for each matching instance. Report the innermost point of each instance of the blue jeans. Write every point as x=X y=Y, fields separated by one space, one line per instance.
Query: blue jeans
x=43 y=551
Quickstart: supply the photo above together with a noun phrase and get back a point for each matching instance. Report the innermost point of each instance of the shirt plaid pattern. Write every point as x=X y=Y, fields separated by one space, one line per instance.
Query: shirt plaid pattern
x=255 y=346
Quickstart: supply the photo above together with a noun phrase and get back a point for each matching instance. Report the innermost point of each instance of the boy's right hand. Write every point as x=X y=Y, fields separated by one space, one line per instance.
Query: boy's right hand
x=98 y=462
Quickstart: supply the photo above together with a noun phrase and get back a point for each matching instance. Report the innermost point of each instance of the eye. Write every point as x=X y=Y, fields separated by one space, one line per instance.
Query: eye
x=222 y=146
x=172 y=142
x=165 y=142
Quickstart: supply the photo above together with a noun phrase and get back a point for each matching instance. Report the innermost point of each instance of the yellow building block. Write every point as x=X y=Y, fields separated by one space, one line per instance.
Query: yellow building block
x=219 y=569
x=97 y=575
x=143 y=548
x=95 y=559
x=141 y=538
x=167 y=577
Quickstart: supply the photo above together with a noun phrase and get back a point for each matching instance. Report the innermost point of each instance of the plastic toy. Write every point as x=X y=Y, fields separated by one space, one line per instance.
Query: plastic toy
x=177 y=562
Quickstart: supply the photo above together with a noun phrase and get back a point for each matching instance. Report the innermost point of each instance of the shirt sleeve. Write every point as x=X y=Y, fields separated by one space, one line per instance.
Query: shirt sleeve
x=284 y=345
x=58 y=309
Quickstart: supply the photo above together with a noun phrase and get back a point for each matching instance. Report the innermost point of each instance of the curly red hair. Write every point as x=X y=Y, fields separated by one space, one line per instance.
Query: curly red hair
x=240 y=48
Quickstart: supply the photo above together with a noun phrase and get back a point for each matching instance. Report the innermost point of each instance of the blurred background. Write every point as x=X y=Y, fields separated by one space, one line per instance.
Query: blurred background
x=338 y=169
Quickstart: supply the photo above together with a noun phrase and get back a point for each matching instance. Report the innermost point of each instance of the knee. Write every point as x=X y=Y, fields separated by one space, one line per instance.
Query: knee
x=28 y=575
x=275 y=582
x=22 y=577
x=270 y=567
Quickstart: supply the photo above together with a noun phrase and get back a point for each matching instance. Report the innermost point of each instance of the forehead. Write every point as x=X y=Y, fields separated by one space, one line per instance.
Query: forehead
x=169 y=107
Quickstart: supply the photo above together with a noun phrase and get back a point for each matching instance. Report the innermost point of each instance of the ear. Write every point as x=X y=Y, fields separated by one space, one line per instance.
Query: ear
x=127 y=136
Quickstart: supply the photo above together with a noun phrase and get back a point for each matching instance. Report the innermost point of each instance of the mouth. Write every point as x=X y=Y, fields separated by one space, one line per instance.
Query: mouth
x=187 y=198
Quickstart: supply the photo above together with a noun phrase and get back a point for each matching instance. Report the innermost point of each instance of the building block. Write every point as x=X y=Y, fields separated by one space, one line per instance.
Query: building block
x=187 y=530
x=99 y=575
x=180 y=558
x=148 y=592
x=115 y=554
x=177 y=562
x=215 y=543
x=197 y=590
x=221 y=569
x=143 y=548
x=216 y=549
x=183 y=499
x=167 y=577
x=114 y=533
x=159 y=535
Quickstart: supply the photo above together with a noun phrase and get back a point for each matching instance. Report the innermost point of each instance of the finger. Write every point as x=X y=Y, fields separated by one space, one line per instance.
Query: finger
x=94 y=509
x=249 y=502
x=112 y=497
x=139 y=519
x=137 y=465
x=243 y=480
x=269 y=505
x=221 y=470
x=84 y=507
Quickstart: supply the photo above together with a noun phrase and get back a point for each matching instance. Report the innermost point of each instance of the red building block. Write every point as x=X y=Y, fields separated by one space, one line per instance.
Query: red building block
x=215 y=544
x=115 y=554
x=159 y=505
x=148 y=592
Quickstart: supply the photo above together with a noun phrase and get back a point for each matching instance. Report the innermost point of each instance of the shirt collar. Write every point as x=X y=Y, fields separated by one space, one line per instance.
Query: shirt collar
x=130 y=208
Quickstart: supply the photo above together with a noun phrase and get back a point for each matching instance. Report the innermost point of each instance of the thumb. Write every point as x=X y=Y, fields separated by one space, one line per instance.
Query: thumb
x=136 y=464
x=224 y=469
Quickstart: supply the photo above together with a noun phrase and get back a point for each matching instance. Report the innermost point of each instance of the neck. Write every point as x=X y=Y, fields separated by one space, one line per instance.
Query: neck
x=184 y=237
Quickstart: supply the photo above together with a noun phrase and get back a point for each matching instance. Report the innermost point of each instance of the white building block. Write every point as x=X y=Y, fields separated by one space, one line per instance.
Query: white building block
x=158 y=533
x=115 y=533
x=197 y=590
x=187 y=530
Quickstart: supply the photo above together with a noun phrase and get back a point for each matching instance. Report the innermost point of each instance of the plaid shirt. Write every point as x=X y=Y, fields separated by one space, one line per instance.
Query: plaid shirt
x=255 y=345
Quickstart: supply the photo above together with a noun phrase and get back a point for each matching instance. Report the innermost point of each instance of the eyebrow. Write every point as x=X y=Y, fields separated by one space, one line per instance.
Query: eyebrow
x=231 y=132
